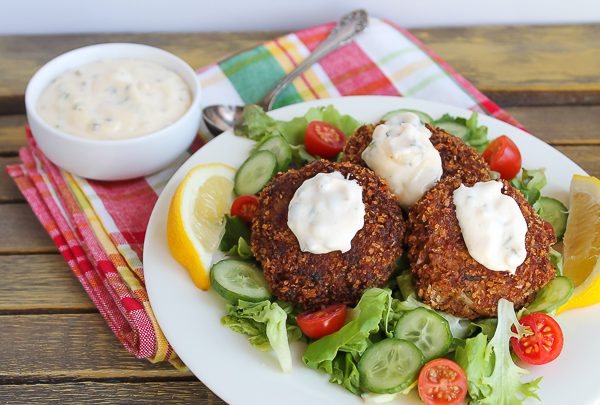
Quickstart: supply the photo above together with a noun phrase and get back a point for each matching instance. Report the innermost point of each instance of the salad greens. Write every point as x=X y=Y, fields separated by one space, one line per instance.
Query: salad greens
x=235 y=240
x=256 y=124
x=492 y=375
x=466 y=129
x=266 y=325
x=549 y=209
x=354 y=336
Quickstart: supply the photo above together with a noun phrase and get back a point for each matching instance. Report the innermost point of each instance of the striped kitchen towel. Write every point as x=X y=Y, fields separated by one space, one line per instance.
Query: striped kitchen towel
x=99 y=227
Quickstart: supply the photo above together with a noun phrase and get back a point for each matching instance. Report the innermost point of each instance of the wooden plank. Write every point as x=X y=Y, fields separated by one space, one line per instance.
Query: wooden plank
x=40 y=283
x=524 y=65
x=588 y=157
x=21 y=231
x=12 y=134
x=561 y=125
x=69 y=347
x=181 y=392
x=8 y=190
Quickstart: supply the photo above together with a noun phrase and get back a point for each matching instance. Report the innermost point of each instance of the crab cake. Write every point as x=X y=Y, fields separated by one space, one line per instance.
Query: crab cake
x=449 y=279
x=313 y=280
x=458 y=158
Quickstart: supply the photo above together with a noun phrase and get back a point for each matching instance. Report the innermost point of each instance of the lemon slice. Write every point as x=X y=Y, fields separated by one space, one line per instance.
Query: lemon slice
x=582 y=242
x=195 y=221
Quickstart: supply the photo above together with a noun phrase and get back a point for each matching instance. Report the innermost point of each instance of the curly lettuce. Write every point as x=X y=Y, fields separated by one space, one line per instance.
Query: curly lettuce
x=266 y=325
x=492 y=375
x=256 y=124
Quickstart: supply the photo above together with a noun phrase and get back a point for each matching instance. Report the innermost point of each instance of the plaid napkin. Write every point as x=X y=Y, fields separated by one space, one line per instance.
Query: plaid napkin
x=99 y=227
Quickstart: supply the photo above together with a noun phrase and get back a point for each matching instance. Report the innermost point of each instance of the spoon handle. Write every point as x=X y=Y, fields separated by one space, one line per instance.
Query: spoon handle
x=350 y=25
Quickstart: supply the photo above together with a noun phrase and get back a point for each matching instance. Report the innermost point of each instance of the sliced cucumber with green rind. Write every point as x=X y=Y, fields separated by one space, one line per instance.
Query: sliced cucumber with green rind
x=553 y=295
x=555 y=212
x=277 y=145
x=428 y=330
x=454 y=128
x=389 y=366
x=255 y=172
x=424 y=117
x=239 y=280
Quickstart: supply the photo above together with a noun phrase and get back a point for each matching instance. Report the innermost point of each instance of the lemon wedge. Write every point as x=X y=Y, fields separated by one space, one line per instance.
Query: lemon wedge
x=195 y=221
x=582 y=242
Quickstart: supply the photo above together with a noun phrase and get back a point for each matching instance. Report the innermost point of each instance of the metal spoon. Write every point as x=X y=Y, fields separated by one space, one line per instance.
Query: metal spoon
x=219 y=118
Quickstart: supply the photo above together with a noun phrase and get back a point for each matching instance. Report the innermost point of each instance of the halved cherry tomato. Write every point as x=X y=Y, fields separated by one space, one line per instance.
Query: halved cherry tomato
x=322 y=322
x=245 y=207
x=323 y=139
x=442 y=382
x=504 y=157
x=546 y=342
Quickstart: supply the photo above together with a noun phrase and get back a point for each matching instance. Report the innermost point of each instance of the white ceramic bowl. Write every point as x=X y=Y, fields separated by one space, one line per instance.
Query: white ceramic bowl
x=113 y=159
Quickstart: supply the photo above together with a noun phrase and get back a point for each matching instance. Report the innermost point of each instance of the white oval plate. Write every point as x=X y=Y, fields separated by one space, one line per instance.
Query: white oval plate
x=240 y=374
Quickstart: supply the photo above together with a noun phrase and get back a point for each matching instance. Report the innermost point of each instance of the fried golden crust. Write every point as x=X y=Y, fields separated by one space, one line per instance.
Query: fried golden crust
x=315 y=280
x=449 y=279
x=458 y=158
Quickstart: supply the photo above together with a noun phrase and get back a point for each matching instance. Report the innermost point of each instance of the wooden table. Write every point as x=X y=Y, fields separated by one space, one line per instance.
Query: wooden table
x=57 y=348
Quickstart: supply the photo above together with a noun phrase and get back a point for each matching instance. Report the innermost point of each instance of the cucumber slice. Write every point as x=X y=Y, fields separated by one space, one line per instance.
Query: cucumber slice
x=428 y=330
x=280 y=148
x=238 y=280
x=424 y=117
x=553 y=295
x=389 y=366
x=255 y=172
x=555 y=212
x=453 y=128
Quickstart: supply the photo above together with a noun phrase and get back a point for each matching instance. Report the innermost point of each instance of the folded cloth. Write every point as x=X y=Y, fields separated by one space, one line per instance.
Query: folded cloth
x=99 y=227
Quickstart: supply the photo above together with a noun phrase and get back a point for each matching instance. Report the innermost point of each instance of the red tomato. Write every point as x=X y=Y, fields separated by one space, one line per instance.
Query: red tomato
x=322 y=322
x=504 y=157
x=323 y=139
x=245 y=207
x=546 y=342
x=442 y=382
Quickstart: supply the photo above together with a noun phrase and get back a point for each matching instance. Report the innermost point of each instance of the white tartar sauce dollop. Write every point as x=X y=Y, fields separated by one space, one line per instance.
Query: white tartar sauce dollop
x=326 y=212
x=115 y=99
x=403 y=155
x=492 y=225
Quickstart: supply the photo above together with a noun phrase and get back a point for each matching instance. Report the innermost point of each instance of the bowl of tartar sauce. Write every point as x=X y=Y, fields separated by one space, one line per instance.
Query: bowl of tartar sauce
x=114 y=111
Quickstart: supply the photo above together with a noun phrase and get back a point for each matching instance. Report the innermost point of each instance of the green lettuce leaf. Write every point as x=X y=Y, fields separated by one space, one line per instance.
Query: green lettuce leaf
x=266 y=325
x=466 y=129
x=353 y=337
x=556 y=258
x=530 y=184
x=256 y=124
x=492 y=375
x=235 y=240
x=344 y=371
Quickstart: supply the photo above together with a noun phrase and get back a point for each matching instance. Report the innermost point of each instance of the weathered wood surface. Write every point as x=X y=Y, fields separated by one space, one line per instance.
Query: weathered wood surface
x=67 y=347
x=515 y=65
x=98 y=393
x=40 y=284
x=60 y=349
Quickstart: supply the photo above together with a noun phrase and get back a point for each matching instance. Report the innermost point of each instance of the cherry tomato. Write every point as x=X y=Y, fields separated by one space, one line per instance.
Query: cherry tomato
x=245 y=207
x=323 y=139
x=546 y=342
x=322 y=322
x=442 y=382
x=504 y=157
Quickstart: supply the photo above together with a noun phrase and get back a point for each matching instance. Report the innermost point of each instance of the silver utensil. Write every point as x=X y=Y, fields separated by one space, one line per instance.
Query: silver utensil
x=219 y=118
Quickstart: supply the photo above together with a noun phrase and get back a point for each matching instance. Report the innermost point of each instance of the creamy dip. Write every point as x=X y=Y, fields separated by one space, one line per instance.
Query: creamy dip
x=326 y=212
x=403 y=155
x=115 y=99
x=492 y=225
